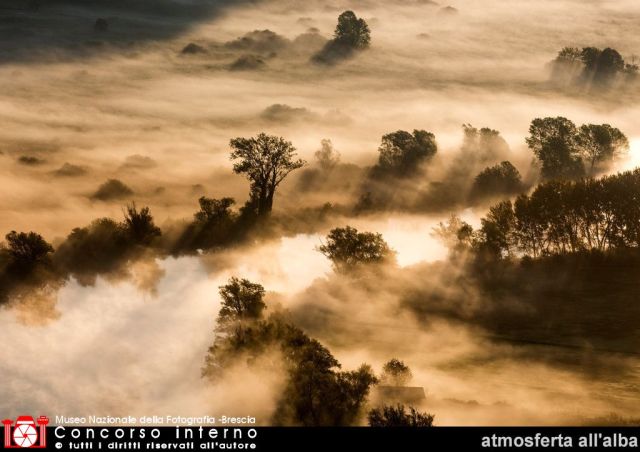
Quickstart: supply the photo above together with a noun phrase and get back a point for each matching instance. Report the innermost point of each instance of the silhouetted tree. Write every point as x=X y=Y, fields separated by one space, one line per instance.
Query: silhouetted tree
x=215 y=224
x=401 y=152
x=214 y=210
x=99 y=248
x=352 y=34
x=349 y=249
x=601 y=66
x=396 y=416
x=553 y=141
x=352 y=31
x=242 y=301
x=396 y=373
x=501 y=179
x=265 y=160
x=562 y=217
x=497 y=229
x=139 y=225
x=600 y=144
x=26 y=250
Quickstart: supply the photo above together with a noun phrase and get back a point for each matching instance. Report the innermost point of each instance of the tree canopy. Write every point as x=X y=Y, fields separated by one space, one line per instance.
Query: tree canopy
x=27 y=248
x=562 y=217
x=351 y=35
x=242 y=301
x=600 y=144
x=352 y=31
x=501 y=179
x=349 y=249
x=265 y=160
x=564 y=150
x=402 y=153
x=395 y=373
x=553 y=141
x=593 y=66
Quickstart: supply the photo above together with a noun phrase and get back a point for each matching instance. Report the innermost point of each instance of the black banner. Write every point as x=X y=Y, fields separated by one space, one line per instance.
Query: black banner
x=202 y=438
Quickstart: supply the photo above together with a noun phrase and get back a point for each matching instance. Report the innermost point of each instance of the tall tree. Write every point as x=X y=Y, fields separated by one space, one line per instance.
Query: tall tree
x=352 y=31
x=600 y=144
x=497 y=229
x=266 y=161
x=553 y=141
x=242 y=301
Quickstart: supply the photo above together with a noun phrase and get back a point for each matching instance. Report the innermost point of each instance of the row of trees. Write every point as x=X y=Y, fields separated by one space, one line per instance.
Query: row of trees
x=568 y=152
x=591 y=65
x=102 y=247
x=564 y=217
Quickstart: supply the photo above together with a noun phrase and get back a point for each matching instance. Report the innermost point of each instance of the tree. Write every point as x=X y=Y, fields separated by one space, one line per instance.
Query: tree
x=396 y=416
x=401 y=152
x=600 y=144
x=139 y=225
x=242 y=301
x=395 y=373
x=266 y=161
x=601 y=66
x=27 y=249
x=553 y=141
x=567 y=65
x=349 y=249
x=351 y=35
x=455 y=234
x=327 y=157
x=483 y=145
x=214 y=210
x=570 y=54
x=501 y=179
x=315 y=391
x=352 y=31
x=562 y=217
x=497 y=229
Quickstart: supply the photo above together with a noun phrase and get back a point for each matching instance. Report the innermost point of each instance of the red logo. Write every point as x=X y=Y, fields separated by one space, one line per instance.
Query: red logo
x=25 y=433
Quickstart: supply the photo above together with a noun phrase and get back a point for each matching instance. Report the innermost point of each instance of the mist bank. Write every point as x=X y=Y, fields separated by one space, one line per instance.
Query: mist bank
x=72 y=124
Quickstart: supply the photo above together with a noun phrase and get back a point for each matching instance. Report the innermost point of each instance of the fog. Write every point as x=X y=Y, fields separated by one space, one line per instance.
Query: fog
x=79 y=107
x=113 y=349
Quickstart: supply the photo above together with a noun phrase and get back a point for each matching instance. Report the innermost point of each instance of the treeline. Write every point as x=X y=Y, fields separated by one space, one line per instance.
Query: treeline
x=593 y=66
x=561 y=217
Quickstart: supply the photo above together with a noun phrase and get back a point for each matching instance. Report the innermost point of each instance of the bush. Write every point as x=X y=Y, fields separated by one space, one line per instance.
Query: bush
x=396 y=416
